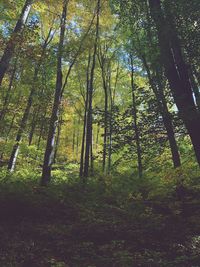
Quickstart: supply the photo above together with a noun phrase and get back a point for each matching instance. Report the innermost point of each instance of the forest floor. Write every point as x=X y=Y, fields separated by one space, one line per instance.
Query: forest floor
x=66 y=225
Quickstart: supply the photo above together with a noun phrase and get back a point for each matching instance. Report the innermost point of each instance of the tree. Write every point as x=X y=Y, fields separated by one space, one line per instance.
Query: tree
x=22 y=126
x=135 y=120
x=15 y=37
x=85 y=119
x=177 y=72
x=157 y=87
x=90 y=95
x=49 y=152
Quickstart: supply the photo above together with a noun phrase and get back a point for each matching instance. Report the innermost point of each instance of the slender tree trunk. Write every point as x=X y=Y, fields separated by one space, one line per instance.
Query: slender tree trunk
x=166 y=116
x=83 y=148
x=77 y=138
x=13 y=118
x=89 y=113
x=112 y=102
x=104 y=64
x=110 y=146
x=33 y=125
x=105 y=87
x=177 y=74
x=8 y=133
x=74 y=137
x=10 y=47
x=105 y=124
x=85 y=121
x=7 y=97
x=135 y=121
x=49 y=152
x=57 y=139
x=11 y=126
x=197 y=74
x=22 y=126
x=97 y=136
x=15 y=150
x=167 y=120
x=91 y=157
x=88 y=134
x=41 y=129
x=110 y=135
x=40 y=136
x=194 y=85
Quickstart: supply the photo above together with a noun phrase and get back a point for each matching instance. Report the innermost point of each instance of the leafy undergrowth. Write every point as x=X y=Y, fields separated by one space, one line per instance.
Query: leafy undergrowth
x=68 y=225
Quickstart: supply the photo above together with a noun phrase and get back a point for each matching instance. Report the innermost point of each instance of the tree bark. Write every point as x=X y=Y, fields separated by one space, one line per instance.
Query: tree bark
x=42 y=127
x=112 y=103
x=23 y=123
x=103 y=63
x=33 y=125
x=74 y=136
x=77 y=138
x=197 y=74
x=85 y=122
x=10 y=47
x=177 y=74
x=89 y=113
x=97 y=136
x=15 y=150
x=91 y=157
x=8 y=93
x=105 y=126
x=49 y=151
x=57 y=138
x=163 y=109
x=195 y=87
x=135 y=122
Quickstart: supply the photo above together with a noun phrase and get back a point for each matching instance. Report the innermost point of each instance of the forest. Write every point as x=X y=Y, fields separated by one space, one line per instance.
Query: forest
x=100 y=133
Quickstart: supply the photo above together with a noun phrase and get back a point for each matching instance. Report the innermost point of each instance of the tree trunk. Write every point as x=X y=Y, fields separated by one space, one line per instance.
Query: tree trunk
x=10 y=47
x=74 y=137
x=135 y=122
x=33 y=125
x=166 y=116
x=49 y=152
x=7 y=135
x=15 y=150
x=112 y=103
x=97 y=136
x=57 y=139
x=89 y=113
x=22 y=127
x=77 y=138
x=12 y=121
x=103 y=62
x=177 y=74
x=85 y=122
x=41 y=129
x=110 y=134
x=195 y=87
x=167 y=120
x=197 y=74
x=91 y=157
x=7 y=97
x=105 y=127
